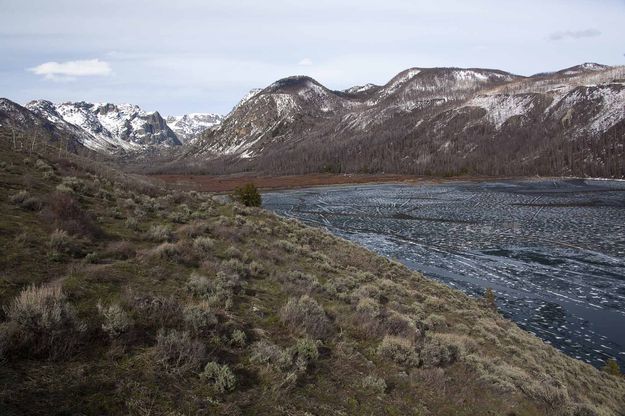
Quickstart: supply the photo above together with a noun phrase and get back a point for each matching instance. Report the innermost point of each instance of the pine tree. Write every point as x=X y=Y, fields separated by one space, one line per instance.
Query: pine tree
x=248 y=195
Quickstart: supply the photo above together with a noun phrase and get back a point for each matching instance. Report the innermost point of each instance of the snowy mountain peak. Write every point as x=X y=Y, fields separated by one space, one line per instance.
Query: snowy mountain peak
x=108 y=127
x=188 y=126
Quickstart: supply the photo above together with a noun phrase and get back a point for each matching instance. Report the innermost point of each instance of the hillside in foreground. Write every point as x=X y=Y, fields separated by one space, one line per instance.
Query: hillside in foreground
x=121 y=297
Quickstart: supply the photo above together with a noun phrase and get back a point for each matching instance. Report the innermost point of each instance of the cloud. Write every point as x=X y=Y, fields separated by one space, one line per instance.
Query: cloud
x=574 y=34
x=68 y=71
x=305 y=62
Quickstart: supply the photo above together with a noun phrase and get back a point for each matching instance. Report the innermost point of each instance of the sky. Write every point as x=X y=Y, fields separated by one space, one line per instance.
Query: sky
x=182 y=56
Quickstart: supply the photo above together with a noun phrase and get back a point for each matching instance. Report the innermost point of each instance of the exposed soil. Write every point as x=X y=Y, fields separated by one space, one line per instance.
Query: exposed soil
x=207 y=183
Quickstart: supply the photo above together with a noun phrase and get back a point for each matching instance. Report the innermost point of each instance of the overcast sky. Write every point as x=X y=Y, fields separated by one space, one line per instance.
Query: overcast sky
x=181 y=56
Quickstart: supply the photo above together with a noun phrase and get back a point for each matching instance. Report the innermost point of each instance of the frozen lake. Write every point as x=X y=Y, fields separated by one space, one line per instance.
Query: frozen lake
x=552 y=250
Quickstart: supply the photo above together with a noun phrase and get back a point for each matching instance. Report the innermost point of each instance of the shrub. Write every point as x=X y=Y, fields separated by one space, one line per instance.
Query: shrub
x=193 y=230
x=397 y=324
x=297 y=358
x=176 y=352
x=220 y=376
x=25 y=201
x=116 y=320
x=157 y=311
x=489 y=298
x=132 y=224
x=19 y=197
x=399 y=350
x=435 y=321
x=201 y=245
x=368 y=308
x=64 y=213
x=59 y=241
x=46 y=322
x=238 y=339
x=71 y=184
x=436 y=353
x=160 y=233
x=248 y=195
x=121 y=250
x=42 y=165
x=374 y=384
x=264 y=352
x=199 y=316
x=218 y=291
x=306 y=314
x=611 y=367
x=303 y=353
x=167 y=251
x=256 y=269
x=199 y=285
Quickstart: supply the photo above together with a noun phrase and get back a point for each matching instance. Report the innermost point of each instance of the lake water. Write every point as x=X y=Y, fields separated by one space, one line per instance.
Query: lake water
x=552 y=250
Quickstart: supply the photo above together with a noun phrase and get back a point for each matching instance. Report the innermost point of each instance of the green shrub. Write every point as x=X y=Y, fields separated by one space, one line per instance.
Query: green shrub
x=399 y=350
x=248 y=195
x=306 y=314
x=221 y=377
x=45 y=321
x=611 y=367
x=116 y=320
x=304 y=353
x=176 y=352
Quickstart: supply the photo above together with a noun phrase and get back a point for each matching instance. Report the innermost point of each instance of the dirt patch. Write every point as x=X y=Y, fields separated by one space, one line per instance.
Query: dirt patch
x=228 y=183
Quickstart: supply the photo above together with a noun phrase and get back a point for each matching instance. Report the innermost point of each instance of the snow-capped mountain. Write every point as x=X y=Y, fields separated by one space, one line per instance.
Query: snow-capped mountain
x=24 y=122
x=108 y=127
x=430 y=120
x=189 y=126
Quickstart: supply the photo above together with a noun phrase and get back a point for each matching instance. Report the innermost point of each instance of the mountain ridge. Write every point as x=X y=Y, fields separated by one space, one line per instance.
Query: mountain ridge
x=426 y=121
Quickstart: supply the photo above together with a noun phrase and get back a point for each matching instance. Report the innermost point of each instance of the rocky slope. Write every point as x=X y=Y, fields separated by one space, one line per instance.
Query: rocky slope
x=438 y=121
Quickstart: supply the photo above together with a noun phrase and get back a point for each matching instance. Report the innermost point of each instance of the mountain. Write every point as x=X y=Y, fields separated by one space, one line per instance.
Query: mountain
x=188 y=126
x=25 y=123
x=109 y=127
x=441 y=121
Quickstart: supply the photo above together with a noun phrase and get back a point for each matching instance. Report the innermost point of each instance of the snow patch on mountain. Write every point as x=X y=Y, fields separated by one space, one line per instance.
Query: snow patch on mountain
x=500 y=108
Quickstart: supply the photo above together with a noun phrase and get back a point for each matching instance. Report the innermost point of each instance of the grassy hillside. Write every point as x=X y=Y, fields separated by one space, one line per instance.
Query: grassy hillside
x=119 y=297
